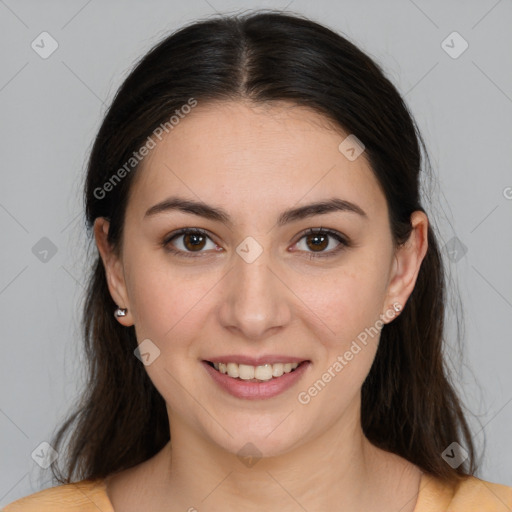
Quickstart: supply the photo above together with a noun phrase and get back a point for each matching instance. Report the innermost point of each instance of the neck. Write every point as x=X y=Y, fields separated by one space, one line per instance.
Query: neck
x=340 y=469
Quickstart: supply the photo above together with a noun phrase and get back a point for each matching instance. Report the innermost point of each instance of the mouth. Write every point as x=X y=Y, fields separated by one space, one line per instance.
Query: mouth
x=249 y=373
x=261 y=377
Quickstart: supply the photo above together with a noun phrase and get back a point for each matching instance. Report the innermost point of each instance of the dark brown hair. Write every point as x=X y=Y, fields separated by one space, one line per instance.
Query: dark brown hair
x=409 y=406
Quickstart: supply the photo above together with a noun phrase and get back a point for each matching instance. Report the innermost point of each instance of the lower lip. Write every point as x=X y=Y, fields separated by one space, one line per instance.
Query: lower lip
x=256 y=390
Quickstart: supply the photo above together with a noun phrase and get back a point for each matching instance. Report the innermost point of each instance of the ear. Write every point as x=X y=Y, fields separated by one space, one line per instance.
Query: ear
x=113 y=270
x=407 y=262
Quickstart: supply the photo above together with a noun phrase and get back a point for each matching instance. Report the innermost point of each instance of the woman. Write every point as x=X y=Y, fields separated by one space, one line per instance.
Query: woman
x=264 y=317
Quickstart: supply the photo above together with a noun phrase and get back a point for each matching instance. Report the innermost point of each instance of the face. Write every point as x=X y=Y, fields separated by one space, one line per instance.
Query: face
x=257 y=285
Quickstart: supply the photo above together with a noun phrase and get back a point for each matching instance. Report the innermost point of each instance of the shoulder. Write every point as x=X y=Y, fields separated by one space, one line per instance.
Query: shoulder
x=470 y=494
x=481 y=495
x=83 y=496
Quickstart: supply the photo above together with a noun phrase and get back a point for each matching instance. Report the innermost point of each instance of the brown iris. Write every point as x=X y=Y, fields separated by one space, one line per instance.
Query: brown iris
x=194 y=241
x=320 y=241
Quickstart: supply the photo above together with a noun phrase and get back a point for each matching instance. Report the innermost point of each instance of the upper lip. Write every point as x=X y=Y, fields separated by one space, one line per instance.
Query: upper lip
x=255 y=361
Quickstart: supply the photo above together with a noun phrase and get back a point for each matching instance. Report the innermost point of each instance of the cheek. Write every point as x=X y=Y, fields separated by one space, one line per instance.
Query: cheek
x=346 y=300
x=164 y=303
x=350 y=306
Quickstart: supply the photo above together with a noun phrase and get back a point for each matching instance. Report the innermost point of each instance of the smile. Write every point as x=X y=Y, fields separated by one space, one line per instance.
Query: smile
x=253 y=382
x=260 y=373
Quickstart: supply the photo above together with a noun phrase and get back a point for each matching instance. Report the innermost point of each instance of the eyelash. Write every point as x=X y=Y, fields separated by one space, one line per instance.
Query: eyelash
x=343 y=242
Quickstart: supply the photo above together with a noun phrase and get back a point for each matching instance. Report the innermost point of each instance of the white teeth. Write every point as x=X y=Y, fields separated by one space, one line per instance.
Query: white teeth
x=245 y=371
x=277 y=369
x=233 y=370
x=263 y=372
x=248 y=372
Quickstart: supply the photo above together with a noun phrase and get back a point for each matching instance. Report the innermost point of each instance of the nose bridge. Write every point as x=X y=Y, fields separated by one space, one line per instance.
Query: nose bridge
x=255 y=301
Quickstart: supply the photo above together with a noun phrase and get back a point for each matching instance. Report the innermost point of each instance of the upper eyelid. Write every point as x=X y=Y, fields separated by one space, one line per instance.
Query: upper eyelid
x=186 y=231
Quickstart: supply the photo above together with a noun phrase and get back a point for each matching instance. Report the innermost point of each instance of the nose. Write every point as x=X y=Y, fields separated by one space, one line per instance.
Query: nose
x=255 y=301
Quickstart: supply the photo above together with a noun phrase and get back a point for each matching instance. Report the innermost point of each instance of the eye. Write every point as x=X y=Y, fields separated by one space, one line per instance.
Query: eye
x=188 y=241
x=319 y=239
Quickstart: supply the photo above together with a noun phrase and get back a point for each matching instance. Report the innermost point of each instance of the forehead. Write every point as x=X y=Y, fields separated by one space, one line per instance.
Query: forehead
x=239 y=153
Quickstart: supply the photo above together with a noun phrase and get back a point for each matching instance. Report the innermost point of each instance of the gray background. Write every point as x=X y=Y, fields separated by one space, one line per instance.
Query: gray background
x=51 y=109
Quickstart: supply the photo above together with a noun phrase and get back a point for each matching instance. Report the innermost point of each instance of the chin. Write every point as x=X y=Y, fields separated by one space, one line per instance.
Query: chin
x=258 y=439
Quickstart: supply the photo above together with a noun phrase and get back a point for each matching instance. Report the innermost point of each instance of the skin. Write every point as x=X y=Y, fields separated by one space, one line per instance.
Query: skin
x=255 y=162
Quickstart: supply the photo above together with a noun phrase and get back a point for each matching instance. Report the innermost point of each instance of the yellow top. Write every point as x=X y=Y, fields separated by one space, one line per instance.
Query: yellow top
x=471 y=495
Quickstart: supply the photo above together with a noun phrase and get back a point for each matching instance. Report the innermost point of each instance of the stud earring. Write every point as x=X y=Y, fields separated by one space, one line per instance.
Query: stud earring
x=397 y=307
x=120 y=312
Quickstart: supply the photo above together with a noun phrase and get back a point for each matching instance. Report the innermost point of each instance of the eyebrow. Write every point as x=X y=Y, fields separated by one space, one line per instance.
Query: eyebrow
x=219 y=215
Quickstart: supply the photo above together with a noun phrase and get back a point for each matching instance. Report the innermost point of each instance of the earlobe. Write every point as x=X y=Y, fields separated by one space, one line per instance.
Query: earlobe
x=113 y=271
